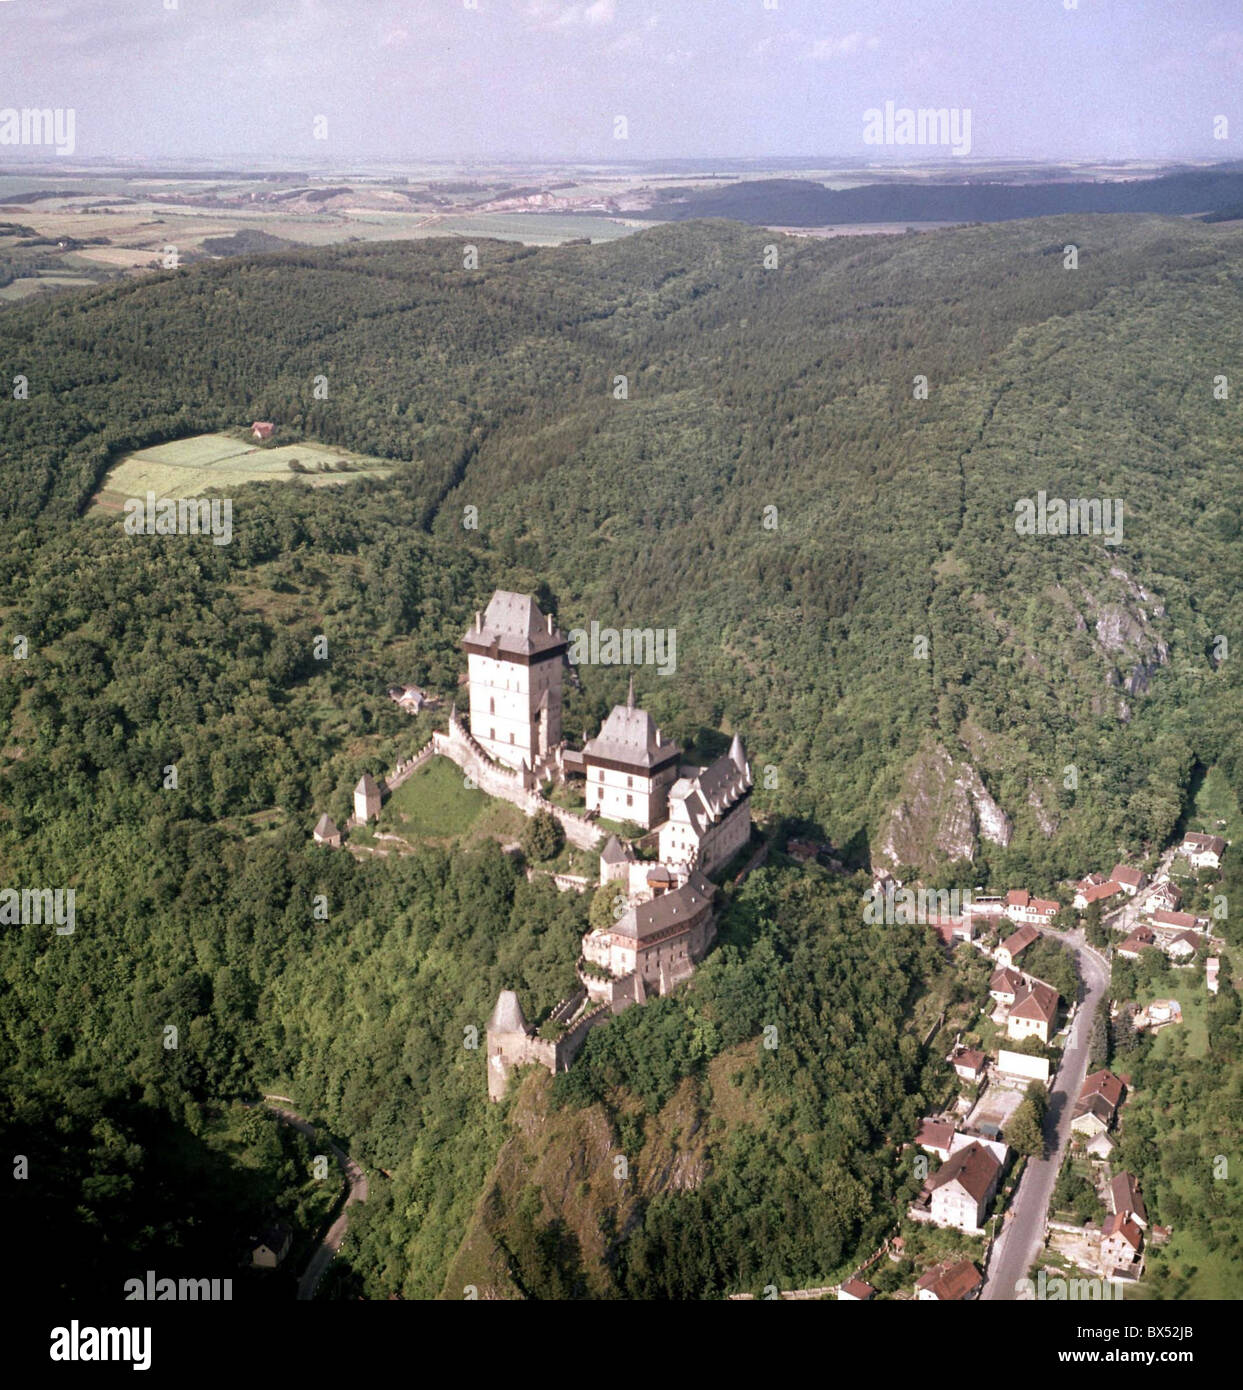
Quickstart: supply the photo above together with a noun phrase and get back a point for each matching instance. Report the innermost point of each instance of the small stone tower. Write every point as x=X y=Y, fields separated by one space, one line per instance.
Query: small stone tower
x=508 y=1042
x=366 y=799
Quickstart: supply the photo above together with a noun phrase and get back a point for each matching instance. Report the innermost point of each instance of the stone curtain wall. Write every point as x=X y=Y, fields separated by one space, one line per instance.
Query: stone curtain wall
x=516 y=787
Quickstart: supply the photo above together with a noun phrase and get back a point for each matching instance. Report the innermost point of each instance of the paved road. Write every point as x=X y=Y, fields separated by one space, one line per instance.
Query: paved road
x=1022 y=1234
x=357 y=1180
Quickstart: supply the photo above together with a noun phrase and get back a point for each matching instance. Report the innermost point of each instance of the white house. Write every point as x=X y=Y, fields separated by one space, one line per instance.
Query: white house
x=1203 y=851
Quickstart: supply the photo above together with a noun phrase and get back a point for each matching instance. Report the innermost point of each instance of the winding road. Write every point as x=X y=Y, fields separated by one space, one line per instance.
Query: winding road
x=357 y=1180
x=1022 y=1234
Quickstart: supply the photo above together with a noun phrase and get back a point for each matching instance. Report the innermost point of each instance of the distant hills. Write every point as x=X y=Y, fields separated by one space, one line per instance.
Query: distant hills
x=804 y=203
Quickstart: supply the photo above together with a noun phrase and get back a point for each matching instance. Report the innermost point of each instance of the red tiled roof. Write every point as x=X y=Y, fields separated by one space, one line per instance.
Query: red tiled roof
x=1039 y=1001
x=973 y=1166
x=1132 y=878
x=1119 y=1224
x=950 y=1280
x=968 y=1057
x=1102 y=890
x=1124 y=1196
x=934 y=1136
x=1138 y=939
x=1017 y=897
x=1182 y=920
x=858 y=1288
x=1103 y=1083
x=1020 y=940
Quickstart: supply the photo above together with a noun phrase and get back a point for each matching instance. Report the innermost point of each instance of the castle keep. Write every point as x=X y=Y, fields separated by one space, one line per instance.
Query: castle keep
x=513 y=657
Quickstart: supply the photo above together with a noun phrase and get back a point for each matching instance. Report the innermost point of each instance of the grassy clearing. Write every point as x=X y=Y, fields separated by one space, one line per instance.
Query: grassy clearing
x=189 y=467
x=434 y=804
x=1216 y=810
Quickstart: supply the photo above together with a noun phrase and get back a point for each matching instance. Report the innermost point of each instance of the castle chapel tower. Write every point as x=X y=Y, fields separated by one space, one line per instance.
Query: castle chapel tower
x=514 y=659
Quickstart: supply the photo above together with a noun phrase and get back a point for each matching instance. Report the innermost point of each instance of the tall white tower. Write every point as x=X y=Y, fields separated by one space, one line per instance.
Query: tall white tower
x=513 y=656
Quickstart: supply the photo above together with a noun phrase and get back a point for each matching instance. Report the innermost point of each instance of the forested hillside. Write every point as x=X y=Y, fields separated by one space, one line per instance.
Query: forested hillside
x=771 y=487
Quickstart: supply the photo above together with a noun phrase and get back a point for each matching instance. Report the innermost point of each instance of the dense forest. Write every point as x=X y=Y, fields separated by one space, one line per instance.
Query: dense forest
x=804 y=203
x=768 y=481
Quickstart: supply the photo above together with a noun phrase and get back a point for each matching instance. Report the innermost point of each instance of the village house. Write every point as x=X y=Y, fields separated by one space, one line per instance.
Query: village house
x=1203 y=851
x=855 y=1291
x=1211 y=967
x=630 y=766
x=326 y=832
x=935 y=1138
x=1124 y=1199
x=271 y=1246
x=949 y=1282
x=1022 y=907
x=1013 y=947
x=1034 y=1012
x=962 y=1188
x=514 y=663
x=1166 y=894
x=411 y=698
x=1097 y=1106
x=1158 y=1014
x=709 y=813
x=1100 y=1146
x=1178 y=921
x=262 y=429
x=1005 y=985
x=1120 y=1245
x=981 y=906
x=1088 y=892
x=366 y=799
x=1129 y=880
x=968 y=1063
x=1139 y=940
x=1182 y=948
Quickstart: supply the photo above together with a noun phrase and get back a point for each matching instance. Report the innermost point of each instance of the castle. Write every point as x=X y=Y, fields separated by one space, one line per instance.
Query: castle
x=700 y=817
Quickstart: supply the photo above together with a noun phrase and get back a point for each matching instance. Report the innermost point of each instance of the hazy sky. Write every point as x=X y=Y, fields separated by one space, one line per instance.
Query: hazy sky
x=545 y=79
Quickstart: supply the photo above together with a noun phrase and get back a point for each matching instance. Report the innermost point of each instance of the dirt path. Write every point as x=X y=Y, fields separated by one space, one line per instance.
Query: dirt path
x=357 y=1180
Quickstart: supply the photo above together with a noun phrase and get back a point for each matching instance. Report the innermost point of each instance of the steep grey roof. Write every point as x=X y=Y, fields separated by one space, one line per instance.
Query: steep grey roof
x=366 y=784
x=614 y=852
x=629 y=735
x=507 y=1017
x=738 y=754
x=516 y=623
x=709 y=795
x=667 y=910
x=325 y=825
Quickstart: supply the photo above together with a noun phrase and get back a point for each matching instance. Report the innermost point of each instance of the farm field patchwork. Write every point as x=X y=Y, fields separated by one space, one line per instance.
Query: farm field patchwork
x=189 y=467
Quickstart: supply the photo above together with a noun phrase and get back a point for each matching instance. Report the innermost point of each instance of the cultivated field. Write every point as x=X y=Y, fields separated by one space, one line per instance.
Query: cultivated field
x=189 y=467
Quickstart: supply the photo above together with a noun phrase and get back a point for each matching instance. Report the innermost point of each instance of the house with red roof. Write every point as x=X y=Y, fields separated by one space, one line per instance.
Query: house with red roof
x=949 y=1282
